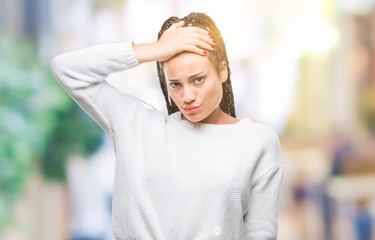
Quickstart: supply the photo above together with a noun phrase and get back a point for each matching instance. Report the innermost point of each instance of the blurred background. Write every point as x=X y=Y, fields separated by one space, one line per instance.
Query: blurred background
x=304 y=67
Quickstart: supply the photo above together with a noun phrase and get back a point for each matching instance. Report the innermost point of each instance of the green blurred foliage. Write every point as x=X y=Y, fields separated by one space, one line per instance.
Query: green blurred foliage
x=40 y=124
x=75 y=133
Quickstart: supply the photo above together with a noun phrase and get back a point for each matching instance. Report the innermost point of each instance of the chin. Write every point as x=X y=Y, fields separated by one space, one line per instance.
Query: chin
x=195 y=118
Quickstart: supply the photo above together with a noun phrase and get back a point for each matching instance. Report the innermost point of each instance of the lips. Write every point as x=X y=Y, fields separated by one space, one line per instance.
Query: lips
x=190 y=107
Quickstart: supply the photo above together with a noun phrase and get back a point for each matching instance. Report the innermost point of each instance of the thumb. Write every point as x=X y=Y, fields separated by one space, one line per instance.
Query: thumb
x=175 y=25
x=180 y=24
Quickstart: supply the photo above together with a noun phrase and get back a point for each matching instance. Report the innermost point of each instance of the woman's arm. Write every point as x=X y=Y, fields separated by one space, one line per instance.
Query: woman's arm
x=261 y=218
x=82 y=74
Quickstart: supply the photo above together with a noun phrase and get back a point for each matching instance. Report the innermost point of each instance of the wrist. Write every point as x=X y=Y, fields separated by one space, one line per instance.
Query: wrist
x=146 y=52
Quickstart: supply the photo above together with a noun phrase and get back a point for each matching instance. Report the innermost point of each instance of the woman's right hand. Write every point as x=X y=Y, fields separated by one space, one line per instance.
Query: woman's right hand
x=177 y=39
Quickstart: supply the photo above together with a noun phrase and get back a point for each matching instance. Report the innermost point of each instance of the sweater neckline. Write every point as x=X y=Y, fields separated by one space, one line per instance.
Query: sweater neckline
x=209 y=126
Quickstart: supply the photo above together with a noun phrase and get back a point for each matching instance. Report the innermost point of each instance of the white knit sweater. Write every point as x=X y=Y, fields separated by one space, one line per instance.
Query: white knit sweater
x=174 y=179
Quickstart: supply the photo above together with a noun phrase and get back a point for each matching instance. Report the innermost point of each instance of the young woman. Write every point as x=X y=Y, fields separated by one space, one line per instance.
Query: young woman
x=197 y=173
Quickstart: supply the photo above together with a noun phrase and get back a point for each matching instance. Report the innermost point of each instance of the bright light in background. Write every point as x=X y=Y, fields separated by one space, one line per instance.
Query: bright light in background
x=277 y=70
x=311 y=34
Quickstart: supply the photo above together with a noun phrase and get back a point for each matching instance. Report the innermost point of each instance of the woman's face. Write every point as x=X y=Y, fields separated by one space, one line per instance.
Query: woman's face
x=193 y=82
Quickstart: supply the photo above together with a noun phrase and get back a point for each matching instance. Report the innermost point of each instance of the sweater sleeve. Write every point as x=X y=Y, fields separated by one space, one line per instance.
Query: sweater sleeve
x=82 y=74
x=261 y=218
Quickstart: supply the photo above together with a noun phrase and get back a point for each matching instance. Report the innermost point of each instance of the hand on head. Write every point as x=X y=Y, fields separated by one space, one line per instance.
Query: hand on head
x=177 y=39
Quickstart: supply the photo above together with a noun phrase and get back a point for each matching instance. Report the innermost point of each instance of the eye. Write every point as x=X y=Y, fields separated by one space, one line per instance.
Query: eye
x=173 y=85
x=200 y=79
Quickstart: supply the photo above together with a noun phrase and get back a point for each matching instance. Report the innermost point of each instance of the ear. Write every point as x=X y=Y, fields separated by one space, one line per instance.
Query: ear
x=223 y=71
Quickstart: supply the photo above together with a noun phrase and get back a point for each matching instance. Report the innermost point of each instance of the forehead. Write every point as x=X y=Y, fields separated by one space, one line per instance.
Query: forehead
x=185 y=64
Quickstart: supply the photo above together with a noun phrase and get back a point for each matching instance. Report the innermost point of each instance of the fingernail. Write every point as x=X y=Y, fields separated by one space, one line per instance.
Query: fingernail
x=209 y=34
x=214 y=41
x=213 y=47
x=205 y=53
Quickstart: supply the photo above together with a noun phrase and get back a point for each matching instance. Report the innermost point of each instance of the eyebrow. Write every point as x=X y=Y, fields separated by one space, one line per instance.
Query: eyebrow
x=191 y=76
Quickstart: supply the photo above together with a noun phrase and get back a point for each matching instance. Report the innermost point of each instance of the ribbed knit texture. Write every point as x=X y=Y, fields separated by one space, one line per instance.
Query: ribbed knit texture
x=175 y=179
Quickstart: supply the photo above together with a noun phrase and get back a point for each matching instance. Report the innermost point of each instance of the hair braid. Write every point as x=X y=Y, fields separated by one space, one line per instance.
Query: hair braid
x=216 y=57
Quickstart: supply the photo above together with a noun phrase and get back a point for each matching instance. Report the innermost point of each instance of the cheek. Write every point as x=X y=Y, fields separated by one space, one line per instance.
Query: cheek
x=175 y=96
x=214 y=90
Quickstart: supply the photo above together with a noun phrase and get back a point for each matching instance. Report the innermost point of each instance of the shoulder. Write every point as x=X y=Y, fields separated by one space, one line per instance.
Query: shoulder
x=263 y=132
x=267 y=142
x=269 y=136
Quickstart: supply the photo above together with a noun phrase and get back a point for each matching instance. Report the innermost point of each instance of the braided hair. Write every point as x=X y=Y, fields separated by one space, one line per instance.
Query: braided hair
x=203 y=21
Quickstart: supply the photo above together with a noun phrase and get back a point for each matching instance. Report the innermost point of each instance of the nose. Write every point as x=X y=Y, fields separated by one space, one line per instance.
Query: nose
x=188 y=95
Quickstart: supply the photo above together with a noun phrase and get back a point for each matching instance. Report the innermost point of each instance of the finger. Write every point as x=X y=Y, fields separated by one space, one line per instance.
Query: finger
x=206 y=39
x=201 y=31
x=180 y=24
x=175 y=25
x=202 y=35
x=201 y=43
x=195 y=49
x=197 y=33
